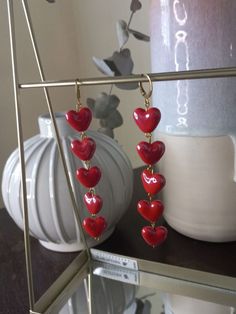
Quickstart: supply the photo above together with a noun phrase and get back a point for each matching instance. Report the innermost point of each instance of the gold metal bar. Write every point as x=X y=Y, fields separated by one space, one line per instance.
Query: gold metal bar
x=90 y=292
x=52 y=116
x=10 y=12
x=155 y=77
x=213 y=280
x=168 y=284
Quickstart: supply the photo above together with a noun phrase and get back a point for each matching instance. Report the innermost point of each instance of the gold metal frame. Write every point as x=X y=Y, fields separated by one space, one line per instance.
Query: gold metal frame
x=173 y=282
x=10 y=8
x=136 y=78
x=170 y=279
x=224 y=283
x=79 y=268
x=57 y=295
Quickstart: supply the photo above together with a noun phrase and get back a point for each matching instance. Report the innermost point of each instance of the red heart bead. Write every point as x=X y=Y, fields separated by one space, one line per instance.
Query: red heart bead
x=94 y=226
x=151 y=211
x=150 y=153
x=84 y=149
x=152 y=182
x=93 y=203
x=147 y=120
x=154 y=236
x=89 y=177
x=79 y=120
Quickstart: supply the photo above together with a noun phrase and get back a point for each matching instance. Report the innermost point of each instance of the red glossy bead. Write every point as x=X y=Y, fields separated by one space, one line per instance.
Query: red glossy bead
x=152 y=182
x=79 y=120
x=88 y=177
x=84 y=149
x=93 y=203
x=151 y=153
x=94 y=226
x=151 y=211
x=147 y=120
x=154 y=236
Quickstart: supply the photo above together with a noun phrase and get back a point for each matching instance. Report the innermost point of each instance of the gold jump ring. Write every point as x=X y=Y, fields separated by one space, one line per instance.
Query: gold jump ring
x=145 y=94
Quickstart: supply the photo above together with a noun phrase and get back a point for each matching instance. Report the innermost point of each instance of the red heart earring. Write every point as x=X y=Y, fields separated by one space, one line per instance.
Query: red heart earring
x=150 y=152
x=88 y=176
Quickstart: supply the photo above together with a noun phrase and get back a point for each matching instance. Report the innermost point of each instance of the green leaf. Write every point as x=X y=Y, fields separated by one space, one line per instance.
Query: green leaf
x=114 y=120
x=135 y=5
x=139 y=35
x=122 y=33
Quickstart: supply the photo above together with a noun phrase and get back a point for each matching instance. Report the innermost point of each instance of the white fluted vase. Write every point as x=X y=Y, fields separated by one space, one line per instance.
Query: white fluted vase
x=51 y=216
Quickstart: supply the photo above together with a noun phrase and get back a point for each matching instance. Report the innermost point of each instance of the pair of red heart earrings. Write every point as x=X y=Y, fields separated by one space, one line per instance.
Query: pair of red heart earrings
x=147 y=120
x=150 y=152
x=88 y=176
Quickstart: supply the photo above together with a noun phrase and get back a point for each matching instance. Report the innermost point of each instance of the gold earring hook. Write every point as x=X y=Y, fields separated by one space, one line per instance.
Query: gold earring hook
x=145 y=94
x=77 y=91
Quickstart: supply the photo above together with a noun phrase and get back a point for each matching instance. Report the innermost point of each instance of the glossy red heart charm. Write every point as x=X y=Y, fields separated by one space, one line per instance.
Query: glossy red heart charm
x=79 y=120
x=94 y=226
x=89 y=177
x=154 y=236
x=151 y=211
x=152 y=182
x=93 y=203
x=84 y=149
x=150 y=153
x=147 y=120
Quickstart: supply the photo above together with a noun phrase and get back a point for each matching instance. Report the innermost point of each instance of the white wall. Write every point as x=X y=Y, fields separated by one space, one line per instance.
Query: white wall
x=68 y=33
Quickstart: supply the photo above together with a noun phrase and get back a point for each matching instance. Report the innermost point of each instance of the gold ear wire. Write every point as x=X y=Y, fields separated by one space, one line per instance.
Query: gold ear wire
x=145 y=94
x=77 y=92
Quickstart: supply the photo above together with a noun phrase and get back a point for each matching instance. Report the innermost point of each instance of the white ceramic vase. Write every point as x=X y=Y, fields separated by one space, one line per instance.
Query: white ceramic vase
x=51 y=216
x=191 y=35
x=198 y=123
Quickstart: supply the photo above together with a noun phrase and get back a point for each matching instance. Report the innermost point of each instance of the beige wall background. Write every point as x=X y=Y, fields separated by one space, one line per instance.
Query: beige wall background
x=69 y=33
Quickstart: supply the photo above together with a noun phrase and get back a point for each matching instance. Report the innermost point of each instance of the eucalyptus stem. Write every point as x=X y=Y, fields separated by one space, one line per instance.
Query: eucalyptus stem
x=128 y=24
x=130 y=19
